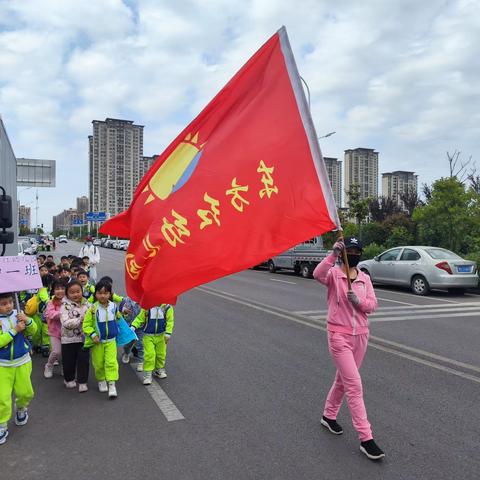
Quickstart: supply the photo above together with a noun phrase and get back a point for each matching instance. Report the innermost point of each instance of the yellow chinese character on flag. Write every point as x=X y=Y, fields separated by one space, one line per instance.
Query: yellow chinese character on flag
x=173 y=232
x=267 y=180
x=214 y=212
x=237 y=200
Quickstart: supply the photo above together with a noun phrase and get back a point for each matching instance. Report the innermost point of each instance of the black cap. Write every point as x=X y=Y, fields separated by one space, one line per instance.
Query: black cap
x=351 y=242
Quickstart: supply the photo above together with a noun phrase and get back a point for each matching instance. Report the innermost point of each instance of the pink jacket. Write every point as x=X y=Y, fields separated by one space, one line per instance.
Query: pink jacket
x=53 y=318
x=344 y=317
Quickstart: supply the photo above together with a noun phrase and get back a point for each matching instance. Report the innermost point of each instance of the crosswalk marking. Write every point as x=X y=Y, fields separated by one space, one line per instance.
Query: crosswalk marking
x=414 y=312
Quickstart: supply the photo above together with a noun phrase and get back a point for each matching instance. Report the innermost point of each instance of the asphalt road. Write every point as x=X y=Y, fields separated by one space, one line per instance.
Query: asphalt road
x=249 y=370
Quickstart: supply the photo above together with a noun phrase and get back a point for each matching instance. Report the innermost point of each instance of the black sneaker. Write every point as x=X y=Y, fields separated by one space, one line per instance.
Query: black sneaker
x=332 y=425
x=372 y=450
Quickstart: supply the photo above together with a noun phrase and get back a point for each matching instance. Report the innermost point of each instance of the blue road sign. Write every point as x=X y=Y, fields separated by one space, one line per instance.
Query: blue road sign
x=96 y=216
x=23 y=221
x=77 y=221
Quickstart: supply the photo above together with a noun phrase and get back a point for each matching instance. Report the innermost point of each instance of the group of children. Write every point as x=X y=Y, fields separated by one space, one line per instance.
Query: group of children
x=64 y=321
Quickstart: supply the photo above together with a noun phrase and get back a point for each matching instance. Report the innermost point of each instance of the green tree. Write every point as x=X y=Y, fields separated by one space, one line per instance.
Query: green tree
x=357 y=208
x=450 y=216
x=374 y=232
x=382 y=207
x=399 y=237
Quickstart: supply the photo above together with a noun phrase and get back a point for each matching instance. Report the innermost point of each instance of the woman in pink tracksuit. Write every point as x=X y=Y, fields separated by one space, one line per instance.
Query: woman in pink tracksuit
x=347 y=328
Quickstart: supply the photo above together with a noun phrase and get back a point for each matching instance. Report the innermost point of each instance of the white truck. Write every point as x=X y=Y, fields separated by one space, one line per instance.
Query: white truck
x=302 y=259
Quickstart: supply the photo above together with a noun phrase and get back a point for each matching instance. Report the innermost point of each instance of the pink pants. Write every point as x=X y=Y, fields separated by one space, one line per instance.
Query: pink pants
x=56 y=353
x=347 y=352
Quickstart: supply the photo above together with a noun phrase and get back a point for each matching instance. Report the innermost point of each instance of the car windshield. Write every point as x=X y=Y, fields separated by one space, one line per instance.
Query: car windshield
x=441 y=254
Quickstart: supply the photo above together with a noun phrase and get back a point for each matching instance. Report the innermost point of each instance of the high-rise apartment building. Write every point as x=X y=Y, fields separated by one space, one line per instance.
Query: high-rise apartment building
x=361 y=168
x=64 y=221
x=82 y=205
x=145 y=165
x=334 y=171
x=115 y=154
x=395 y=184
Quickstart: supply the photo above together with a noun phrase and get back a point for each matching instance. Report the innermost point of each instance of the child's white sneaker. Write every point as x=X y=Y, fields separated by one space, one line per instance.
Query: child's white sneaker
x=112 y=391
x=55 y=363
x=102 y=386
x=3 y=434
x=48 y=371
x=82 y=387
x=160 y=373
x=125 y=358
x=71 y=384
x=140 y=367
x=21 y=416
x=147 y=378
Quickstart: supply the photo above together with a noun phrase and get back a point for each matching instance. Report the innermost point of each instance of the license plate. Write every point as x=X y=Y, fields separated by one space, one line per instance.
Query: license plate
x=464 y=268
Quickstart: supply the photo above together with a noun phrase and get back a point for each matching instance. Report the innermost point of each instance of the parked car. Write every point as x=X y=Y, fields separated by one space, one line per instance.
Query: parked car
x=103 y=241
x=28 y=247
x=109 y=243
x=97 y=242
x=24 y=247
x=117 y=244
x=125 y=244
x=62 y=239
x=422 y=268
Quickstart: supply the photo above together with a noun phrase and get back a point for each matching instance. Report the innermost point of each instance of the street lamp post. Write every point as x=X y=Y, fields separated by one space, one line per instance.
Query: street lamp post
x=327 y=135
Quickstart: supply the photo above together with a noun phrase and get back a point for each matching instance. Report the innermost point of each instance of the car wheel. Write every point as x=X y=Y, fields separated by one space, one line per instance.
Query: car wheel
x=420 y=285
x=457 y=291
x=271 y=267
x=306 y=271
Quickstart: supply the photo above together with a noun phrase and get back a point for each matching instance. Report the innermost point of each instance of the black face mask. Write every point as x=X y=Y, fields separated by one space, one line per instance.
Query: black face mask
x=353 y=260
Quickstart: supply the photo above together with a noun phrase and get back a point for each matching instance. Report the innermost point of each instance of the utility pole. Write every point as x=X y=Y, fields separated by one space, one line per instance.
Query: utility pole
x=36 y=213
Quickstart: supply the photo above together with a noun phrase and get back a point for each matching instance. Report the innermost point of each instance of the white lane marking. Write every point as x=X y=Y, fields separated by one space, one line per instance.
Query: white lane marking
x=472 y=295
x=425 y=317
x=282 y=281
x=167 y=407
x=431 y=355
x=394 y=301
x=414 y=314
x=411 y=295
x=395 y=317
x=371 y=343
x=473 y=378
x=469 y=305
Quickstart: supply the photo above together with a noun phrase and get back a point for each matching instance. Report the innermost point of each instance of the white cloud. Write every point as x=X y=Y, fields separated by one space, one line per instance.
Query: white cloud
x=397 y=76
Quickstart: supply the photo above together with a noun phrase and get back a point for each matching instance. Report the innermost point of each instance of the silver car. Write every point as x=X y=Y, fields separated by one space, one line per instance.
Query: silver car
x=422 y=268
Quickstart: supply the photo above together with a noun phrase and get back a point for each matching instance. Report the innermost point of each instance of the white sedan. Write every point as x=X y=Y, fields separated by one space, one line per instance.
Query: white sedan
x=422 y=268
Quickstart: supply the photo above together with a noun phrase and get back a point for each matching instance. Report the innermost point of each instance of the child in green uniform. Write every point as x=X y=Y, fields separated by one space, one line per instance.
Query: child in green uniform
x=36 y=308
x=87 y=287
x=157 y=325
x=100 y=329
x=15 y=364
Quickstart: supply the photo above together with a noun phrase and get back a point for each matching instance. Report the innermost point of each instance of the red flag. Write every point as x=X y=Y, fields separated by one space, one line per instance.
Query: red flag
x=243 y=182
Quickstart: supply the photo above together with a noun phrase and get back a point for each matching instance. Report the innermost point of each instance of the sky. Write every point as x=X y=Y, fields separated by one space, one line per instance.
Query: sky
x=399 y=76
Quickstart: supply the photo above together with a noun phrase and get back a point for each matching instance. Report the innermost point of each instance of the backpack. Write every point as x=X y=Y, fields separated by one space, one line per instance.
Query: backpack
x=31 y=307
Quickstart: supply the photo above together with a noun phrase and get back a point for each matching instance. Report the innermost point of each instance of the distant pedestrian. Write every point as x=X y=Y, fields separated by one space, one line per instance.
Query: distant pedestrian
x=347 y=328
x=93 y=253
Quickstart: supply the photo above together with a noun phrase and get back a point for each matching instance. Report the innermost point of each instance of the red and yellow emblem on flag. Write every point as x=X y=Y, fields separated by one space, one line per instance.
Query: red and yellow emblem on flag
x=243 y=182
